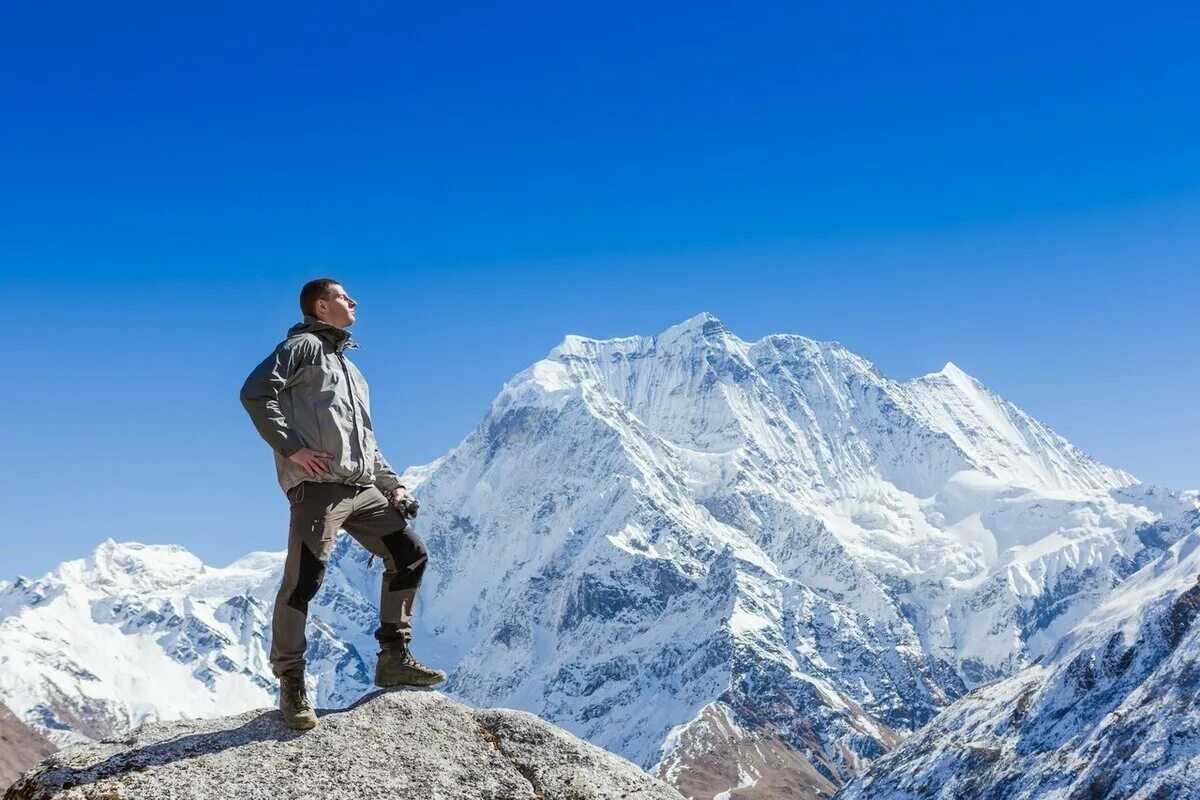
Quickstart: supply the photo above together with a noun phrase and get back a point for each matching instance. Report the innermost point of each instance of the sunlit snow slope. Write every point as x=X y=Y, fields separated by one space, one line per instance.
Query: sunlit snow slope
x=1111 y=712
x=711 y=555
x=739 y=564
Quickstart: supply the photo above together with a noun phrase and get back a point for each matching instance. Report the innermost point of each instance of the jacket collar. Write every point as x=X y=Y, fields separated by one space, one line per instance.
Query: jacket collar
x=338 y=337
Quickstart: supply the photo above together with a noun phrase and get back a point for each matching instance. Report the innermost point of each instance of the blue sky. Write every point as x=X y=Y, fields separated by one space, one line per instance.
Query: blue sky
x=1015 y=189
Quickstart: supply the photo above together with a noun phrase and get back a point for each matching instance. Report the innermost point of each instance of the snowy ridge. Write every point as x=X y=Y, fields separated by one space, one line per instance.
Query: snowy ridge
x=727 y=561
x=1002 y=440
x=648 y=526
x=1111 y=712
x=136 y=633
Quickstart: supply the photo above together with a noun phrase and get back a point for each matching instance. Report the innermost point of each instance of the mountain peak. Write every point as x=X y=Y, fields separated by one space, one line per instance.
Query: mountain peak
x=703 y=324
x=952 y=371
x=139 y=565
x=111 y=548
x=700 y=320
x=964 y=381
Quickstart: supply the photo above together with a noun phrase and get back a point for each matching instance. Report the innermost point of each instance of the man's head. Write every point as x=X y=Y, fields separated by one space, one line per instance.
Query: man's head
x=326 y=300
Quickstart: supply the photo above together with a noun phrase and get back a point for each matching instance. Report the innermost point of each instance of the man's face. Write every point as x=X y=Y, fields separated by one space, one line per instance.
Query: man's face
x=337 y=308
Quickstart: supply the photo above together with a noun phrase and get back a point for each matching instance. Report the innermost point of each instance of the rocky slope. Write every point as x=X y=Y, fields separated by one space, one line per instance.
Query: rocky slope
x=741 y=565
x=1112 y=712
x=20 y=746
x=389 y=744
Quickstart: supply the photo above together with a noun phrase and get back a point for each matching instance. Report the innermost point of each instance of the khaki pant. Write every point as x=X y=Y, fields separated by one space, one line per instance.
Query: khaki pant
x=319 y=510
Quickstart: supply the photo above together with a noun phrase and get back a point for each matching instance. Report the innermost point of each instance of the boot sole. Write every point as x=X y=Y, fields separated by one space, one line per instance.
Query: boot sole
x=392 y=685
x=413 y=683
x=300 y=725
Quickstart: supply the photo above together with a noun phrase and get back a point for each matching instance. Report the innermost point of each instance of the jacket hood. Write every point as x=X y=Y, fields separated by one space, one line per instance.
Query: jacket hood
x=338 y=337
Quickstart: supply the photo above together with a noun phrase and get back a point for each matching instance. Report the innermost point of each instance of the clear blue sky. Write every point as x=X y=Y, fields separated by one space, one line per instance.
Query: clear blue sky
x=1015 y=189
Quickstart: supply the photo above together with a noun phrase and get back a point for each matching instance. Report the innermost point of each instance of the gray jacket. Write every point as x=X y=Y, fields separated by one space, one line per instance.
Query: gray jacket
x=308 y=394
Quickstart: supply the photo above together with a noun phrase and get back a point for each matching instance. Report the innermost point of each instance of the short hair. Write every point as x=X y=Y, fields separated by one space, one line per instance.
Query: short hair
x=313 y=291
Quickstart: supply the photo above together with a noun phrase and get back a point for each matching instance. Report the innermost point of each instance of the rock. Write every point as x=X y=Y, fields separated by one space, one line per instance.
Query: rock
x=403 y=743
x=20 y=746
x=1110 y=713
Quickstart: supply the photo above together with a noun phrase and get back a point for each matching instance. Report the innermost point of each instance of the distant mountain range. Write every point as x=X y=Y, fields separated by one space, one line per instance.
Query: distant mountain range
x=749 y=567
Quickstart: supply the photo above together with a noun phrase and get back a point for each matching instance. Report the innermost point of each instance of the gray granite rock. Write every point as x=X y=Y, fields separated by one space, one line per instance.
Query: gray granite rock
x=403 y=743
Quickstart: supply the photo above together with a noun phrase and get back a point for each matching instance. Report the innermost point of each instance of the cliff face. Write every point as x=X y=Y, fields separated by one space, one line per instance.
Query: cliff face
x=406 y=743
x=20 y=746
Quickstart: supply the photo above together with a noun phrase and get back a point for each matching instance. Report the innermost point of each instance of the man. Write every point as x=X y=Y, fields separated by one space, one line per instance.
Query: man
x=311 y=404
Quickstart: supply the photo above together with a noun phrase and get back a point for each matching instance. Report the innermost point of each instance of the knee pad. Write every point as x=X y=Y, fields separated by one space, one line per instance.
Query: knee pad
x=409 y=557
x=308 y=581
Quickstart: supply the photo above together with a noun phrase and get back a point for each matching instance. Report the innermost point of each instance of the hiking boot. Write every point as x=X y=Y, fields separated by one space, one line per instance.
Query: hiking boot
x=298 y=713
x=397 y=667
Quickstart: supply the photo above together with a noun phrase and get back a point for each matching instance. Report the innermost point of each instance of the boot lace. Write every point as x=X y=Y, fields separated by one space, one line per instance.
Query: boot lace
x=295 y=694
x=406 y=657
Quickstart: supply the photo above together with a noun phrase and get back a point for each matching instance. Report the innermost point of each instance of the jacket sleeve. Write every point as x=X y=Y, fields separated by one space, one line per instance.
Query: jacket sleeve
x=260 y=392
x=386 y=478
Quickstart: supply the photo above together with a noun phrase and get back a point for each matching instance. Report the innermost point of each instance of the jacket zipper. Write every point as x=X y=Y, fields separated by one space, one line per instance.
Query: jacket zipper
x=354 y=416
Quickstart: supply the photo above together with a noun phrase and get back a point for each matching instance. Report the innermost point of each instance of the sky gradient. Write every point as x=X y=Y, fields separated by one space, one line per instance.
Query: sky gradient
x=1016 y=190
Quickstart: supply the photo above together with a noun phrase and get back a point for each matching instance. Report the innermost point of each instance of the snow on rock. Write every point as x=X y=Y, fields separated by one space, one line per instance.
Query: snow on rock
x=136 y=633
x=644 y=529
x=684 y=538
x=1111 y=711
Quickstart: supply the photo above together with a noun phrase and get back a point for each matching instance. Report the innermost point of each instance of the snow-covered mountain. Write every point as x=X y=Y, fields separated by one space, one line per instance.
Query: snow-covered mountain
x=135 y=633
x=1112 y=711
x=754 y=564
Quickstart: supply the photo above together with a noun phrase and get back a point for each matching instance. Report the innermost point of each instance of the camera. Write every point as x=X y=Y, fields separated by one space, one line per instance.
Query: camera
x=407 y=508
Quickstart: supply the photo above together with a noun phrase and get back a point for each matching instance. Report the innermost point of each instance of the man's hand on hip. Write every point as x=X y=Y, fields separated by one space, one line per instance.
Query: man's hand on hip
x=400 y=499
x=313 y=461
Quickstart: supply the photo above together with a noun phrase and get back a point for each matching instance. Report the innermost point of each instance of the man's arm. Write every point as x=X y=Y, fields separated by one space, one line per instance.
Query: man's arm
x=260 y=393
x=386 y=478
x=397 y=494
